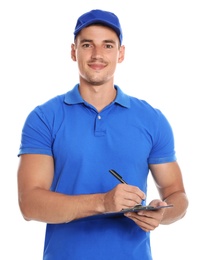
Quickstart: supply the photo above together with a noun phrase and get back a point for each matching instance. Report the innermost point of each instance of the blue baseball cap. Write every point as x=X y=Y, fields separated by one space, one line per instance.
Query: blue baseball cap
x=99 y=17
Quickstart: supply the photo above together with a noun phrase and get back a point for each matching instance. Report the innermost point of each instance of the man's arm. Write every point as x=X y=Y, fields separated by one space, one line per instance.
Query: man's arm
x=169 y=182
x=37 y=202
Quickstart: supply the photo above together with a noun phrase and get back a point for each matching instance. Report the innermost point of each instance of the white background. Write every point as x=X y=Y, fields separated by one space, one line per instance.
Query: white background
x=168 y=63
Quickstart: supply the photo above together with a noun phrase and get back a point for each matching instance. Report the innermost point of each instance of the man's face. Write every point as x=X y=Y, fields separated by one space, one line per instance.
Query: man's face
x=97 y=51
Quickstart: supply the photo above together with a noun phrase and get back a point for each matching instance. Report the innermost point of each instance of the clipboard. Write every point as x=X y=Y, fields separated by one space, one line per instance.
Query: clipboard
x=118 y=214
x=137 y=208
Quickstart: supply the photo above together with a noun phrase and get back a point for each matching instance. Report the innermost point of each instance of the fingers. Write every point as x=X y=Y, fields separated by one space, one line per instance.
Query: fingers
x=131 y=196
x=123 y=196
x=147 y=220
x=132 y=193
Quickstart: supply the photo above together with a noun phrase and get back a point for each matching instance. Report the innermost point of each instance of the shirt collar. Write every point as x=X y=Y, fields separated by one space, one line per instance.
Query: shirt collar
x=73 y=97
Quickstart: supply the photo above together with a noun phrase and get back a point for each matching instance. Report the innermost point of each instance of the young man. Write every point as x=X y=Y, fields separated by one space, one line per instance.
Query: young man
x=70 y=143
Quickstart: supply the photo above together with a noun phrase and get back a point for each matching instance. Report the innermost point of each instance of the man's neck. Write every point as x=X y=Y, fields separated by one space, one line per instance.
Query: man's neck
x=98 y=96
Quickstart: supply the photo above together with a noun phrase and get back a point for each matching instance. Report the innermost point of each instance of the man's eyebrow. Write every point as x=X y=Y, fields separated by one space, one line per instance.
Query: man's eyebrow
x=109 y=41
x=105 y=41
x=85 y=40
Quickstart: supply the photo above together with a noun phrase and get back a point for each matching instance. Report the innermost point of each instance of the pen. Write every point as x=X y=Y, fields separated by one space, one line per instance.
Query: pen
x=117 y=176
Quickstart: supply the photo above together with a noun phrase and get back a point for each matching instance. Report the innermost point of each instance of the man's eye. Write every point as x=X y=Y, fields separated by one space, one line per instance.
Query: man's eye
x=86 y=45
x=109 y=46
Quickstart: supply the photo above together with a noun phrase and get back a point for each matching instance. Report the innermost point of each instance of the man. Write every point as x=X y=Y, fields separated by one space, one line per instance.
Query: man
x=70 y=143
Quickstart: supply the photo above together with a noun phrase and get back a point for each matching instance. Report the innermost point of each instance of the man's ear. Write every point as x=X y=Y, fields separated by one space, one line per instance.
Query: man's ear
x=121 y=54
x=73 y=52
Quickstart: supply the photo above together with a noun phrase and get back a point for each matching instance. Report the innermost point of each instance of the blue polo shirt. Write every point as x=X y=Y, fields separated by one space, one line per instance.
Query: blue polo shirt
x=126 y=136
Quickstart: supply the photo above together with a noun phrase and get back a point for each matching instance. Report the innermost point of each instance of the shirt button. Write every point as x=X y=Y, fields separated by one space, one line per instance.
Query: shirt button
x=99 y=117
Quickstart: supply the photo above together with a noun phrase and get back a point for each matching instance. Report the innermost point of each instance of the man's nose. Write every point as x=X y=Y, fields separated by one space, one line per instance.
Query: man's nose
x=97 y=52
